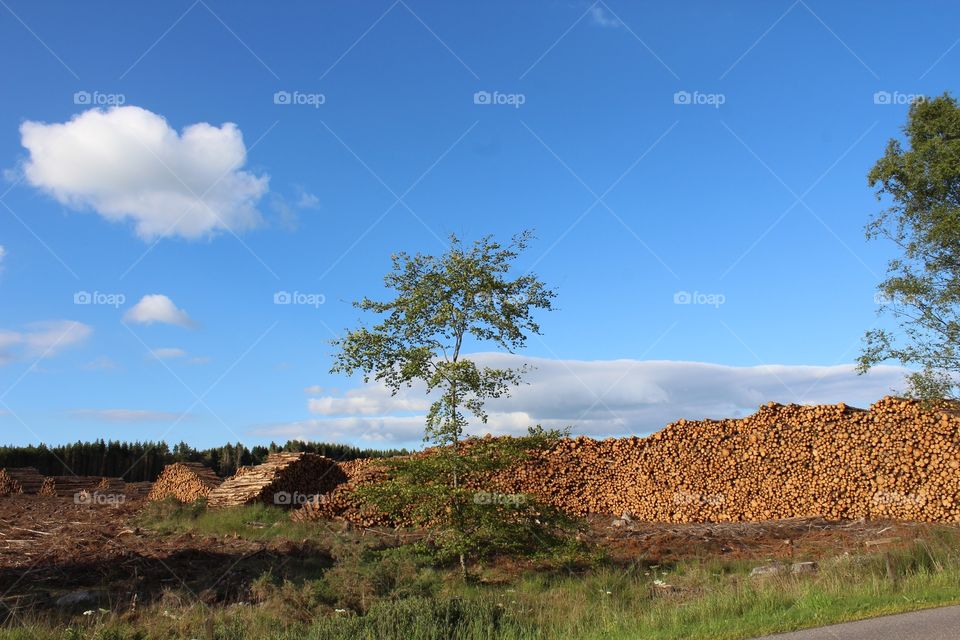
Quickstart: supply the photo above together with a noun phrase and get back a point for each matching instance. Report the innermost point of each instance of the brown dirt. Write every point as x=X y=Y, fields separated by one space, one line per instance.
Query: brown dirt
x=52 y=546
x=798 y=538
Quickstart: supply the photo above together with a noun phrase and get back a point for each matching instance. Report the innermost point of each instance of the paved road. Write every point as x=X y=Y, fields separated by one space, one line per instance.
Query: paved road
x=930 y=624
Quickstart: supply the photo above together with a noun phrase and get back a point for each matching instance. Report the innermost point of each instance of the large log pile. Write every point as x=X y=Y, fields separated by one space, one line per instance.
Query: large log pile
x=897 y=460
x=185 y=482
x=27 y=479
x=284 y=479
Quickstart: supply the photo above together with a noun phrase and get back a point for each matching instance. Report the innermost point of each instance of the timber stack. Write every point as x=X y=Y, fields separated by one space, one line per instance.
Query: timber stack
x=900 y=459
x=184 y=482
x=27 y=479
x=284 y=479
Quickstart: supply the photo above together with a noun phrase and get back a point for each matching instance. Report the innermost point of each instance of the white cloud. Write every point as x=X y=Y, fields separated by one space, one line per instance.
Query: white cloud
x=597 y=398
x=125 y=415
x=3 y=254
x=313 y=390
x=42 y=339
x=287 y=212
x=127 y=163
x=168 y=353
x=370 y=401
x=175 y=353
x=307 y=200
x=600 y=17
x=158 y=308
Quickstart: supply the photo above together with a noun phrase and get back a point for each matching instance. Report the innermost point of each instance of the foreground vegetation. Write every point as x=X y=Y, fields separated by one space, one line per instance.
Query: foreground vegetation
x=372 y=589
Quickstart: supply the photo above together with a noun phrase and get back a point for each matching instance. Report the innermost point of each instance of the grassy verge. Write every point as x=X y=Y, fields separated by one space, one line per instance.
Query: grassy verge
x=384 y=593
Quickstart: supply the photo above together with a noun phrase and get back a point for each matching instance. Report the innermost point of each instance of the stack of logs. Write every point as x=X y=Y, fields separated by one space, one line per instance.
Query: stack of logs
x=23 y=479
x=48 y=488
x=342 y=501
x=284 y=479
x=72 y=485
x=9 y=486
x=185 y=482
x=898 y=460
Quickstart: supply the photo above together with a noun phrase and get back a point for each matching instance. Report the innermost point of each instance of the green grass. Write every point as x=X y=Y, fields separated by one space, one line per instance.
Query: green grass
x=382 y=594
x=257 y=522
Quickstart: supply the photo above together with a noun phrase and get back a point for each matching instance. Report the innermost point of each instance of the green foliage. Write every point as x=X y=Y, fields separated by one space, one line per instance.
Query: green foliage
x=922 y=287
x=470 y=517
x=466 y=293
x=440 y=301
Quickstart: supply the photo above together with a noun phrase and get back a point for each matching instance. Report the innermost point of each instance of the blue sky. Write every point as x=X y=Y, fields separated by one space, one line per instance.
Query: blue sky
x=656 y=148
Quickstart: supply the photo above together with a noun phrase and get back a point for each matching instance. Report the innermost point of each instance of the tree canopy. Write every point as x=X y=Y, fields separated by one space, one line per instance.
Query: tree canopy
x=921 y=182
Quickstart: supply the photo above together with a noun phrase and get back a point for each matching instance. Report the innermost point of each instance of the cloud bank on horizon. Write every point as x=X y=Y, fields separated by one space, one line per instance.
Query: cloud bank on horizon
x=596 y=398
x=127 y=163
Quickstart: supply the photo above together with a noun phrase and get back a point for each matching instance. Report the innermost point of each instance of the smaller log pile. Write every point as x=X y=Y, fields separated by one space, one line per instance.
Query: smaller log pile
x=284 y=479
x=28 y=478
x=66 y=486
x=185 y=482
x=47 y=489
x=9 y=486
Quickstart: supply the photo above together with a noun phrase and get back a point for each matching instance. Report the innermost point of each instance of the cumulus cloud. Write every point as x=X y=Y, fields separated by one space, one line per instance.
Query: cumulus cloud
x=42 y=339
x=127 y=163
x=125 y=415
x=597 y=398
x=158 y=308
